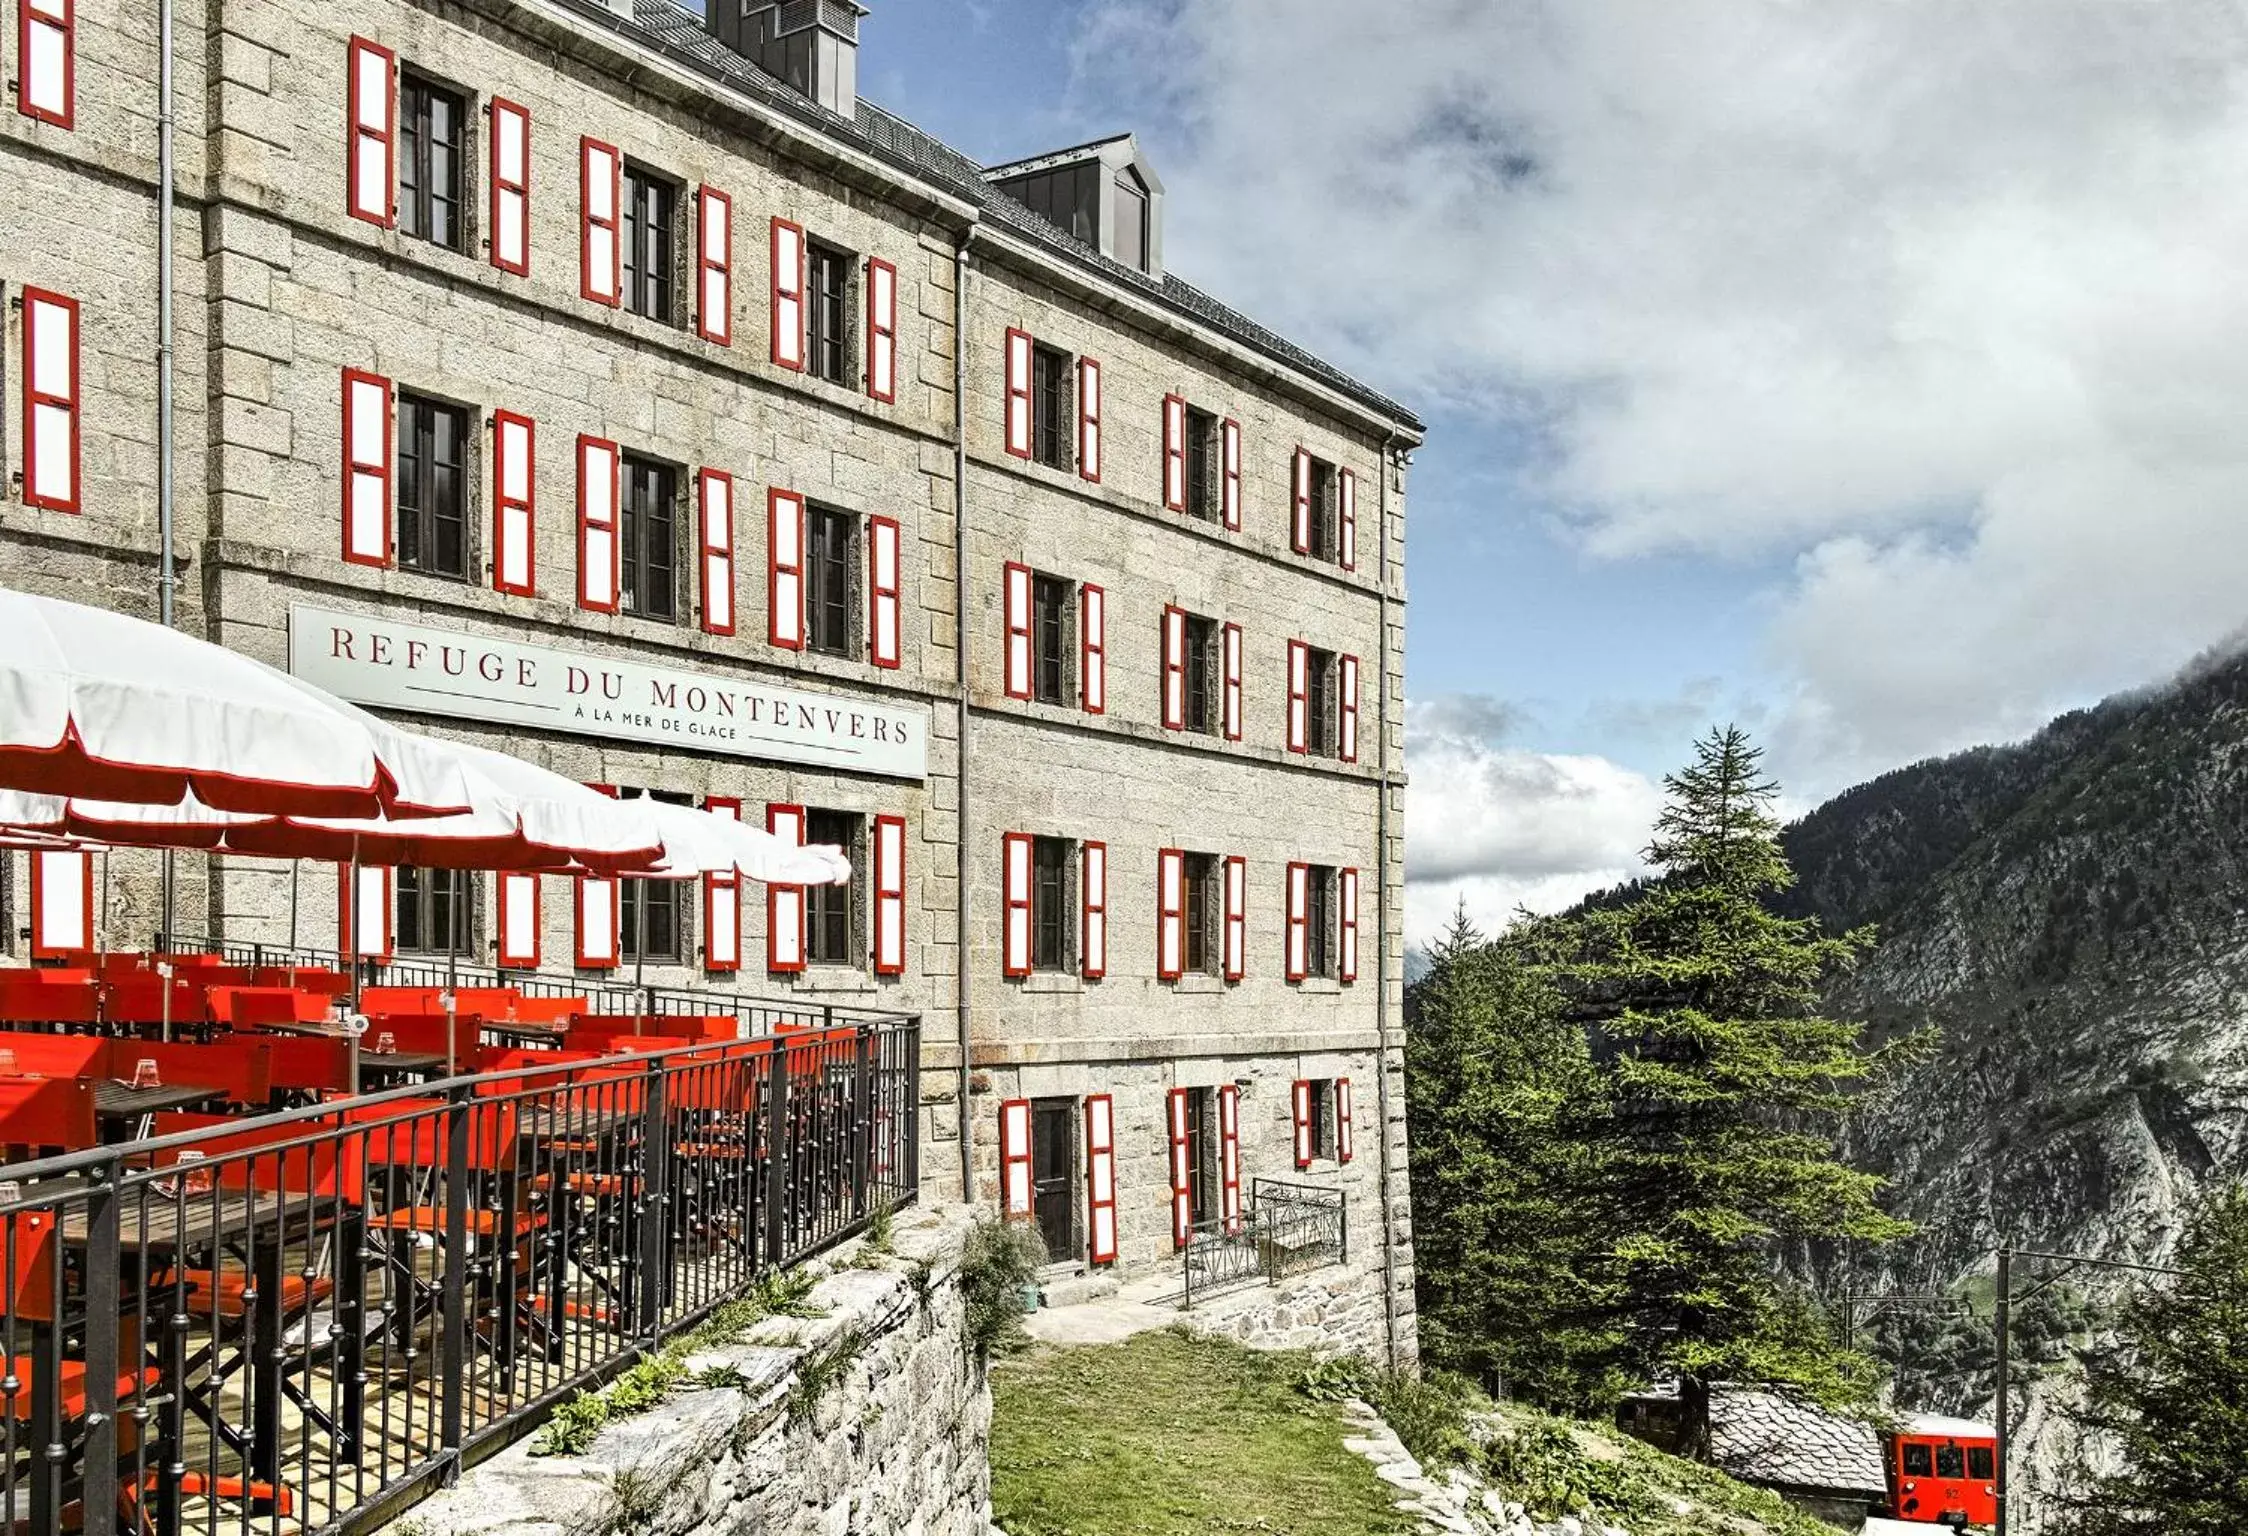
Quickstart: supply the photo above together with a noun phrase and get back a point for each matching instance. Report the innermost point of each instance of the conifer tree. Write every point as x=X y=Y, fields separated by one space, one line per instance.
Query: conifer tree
x=1499 y=1090
x=2172 y=1395
x=1725 y=1088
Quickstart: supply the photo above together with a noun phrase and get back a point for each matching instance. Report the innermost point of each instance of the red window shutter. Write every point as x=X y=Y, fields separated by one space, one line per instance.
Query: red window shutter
x=514 y=504
x=1229 y=481
x=1170 y=914
x=1346 y=922
x=1346 y=715
x=47 y=56
x=1014 y=903
x=714 y=266
x=1346 y=519
x=1089 y=419
x=1092 y=642
x=1014 y=1159
x=1182 y=1168
x=1018 y=393
x=1299 y=1100
x=371 y=133
x=714 y=495
x=1299 y=524
x=1229 y=1156
x=881 y=330
x=1174 y=453
x=1236 y=918
x=1100 y=1177
x=1174 y=669
x=598 y=470
x=519 y=921
x=510 y=212
x=722 y=903
x=600 y=248
x=784 y=571
x=62 y=904
x=366 y=468
x=1299 y=696
x=1344 y=1129
x=788 y=295
x=885 y=624
x=889 y=895
x=50 y=401
x=1299 y=921
x=1015 y=599
x=784 y=904
x=1230 y=705
x=1092 y=944
x=363 y=916
x=597 y=914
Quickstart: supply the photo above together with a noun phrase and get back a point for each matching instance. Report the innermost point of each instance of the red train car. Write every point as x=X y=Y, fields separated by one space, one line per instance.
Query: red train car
x=1941 y=1472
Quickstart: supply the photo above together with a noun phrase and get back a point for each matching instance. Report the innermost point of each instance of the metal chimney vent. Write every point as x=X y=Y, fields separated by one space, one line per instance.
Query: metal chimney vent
x=810 y=45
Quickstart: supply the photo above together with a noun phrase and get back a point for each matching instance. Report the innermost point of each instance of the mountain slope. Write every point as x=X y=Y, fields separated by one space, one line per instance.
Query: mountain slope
x=2072 y=911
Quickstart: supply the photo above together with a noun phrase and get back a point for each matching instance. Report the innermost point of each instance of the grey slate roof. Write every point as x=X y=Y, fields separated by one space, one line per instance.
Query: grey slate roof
x=1766 y=1438
x=891 y=138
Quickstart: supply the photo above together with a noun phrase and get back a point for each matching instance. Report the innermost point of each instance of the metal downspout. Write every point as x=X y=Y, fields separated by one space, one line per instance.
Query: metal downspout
x=1381 y=928
x=961 y=266
x=166 y=580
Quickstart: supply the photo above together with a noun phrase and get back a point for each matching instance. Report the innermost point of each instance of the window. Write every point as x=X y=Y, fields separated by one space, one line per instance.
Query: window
x=1950 y=1461
x=1051 y=425
x=1202 y=465
x=432 y=487
x=1064 y=197
x=1319 y=921
x=1919 y=1461
x=831 y=911
x=1051 y=920
x=1131 y=221
x=654 y=912
x=1322 y=1107
x=1049 y=632
x=649 y=203
x=1323 y=505
x=1202 y=1155
x=1203 y=668
x=1980 y=1463
x=1319 y=686
x=829 y=581
x=1205 y=902
x=827 y=275
x=429 y=163
x=435 y=911
x=649 y=533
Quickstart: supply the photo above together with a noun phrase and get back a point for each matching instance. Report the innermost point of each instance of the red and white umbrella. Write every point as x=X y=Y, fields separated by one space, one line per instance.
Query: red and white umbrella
x=109 y=708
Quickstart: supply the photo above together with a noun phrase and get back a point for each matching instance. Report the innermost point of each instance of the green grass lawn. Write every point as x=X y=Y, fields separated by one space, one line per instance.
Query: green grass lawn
x=1165 y=1435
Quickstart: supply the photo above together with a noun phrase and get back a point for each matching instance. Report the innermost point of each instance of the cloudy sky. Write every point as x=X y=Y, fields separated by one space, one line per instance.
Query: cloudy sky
x=1870 y=375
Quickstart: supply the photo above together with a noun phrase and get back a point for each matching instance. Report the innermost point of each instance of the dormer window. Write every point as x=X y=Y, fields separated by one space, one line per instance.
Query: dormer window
x=1131 y=219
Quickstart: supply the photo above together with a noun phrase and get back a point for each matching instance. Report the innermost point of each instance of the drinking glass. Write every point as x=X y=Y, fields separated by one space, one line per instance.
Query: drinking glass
x=144 y=1074
x=7 y=1063
x=386 y=1044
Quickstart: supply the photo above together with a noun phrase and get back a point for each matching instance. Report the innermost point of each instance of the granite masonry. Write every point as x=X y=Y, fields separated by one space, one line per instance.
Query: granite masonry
x=564 y=377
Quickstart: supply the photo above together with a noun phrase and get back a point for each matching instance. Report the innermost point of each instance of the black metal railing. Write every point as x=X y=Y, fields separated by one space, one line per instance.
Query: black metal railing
x=1284 y=1229
x=303 y=1320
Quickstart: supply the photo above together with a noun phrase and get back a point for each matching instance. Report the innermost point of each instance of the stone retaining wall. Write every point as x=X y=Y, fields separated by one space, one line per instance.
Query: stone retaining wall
x=1332 y=1310
x=897 y=1443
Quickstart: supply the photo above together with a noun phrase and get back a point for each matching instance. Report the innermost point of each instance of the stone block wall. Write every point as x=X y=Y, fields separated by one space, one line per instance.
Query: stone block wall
x=897 y=1445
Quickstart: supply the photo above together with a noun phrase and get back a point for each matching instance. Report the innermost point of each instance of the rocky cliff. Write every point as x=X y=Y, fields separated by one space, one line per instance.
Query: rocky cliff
x=2072 y=912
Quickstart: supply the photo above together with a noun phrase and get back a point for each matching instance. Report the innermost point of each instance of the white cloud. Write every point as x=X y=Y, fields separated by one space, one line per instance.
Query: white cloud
x=1501 y=827
x=1944 y=303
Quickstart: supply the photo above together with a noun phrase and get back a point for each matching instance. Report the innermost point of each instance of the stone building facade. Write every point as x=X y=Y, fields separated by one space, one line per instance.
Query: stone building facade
x=560 y=377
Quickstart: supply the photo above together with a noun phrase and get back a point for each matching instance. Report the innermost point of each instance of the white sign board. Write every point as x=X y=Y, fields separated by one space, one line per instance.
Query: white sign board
x=393 y=665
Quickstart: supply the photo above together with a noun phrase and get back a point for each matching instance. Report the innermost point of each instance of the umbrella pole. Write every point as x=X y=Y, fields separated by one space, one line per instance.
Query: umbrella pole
x=357 y=1021
x=294 y=866
x=101 y=924
x=452 y=978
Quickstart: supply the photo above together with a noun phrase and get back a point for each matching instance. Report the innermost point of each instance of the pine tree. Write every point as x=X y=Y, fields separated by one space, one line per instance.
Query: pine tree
x=1499 y=1086
x=1725 y=1089
x=2172 y=1396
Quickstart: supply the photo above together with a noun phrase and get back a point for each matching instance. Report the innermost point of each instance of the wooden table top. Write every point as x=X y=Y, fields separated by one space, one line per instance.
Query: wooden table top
x=122 y=1101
